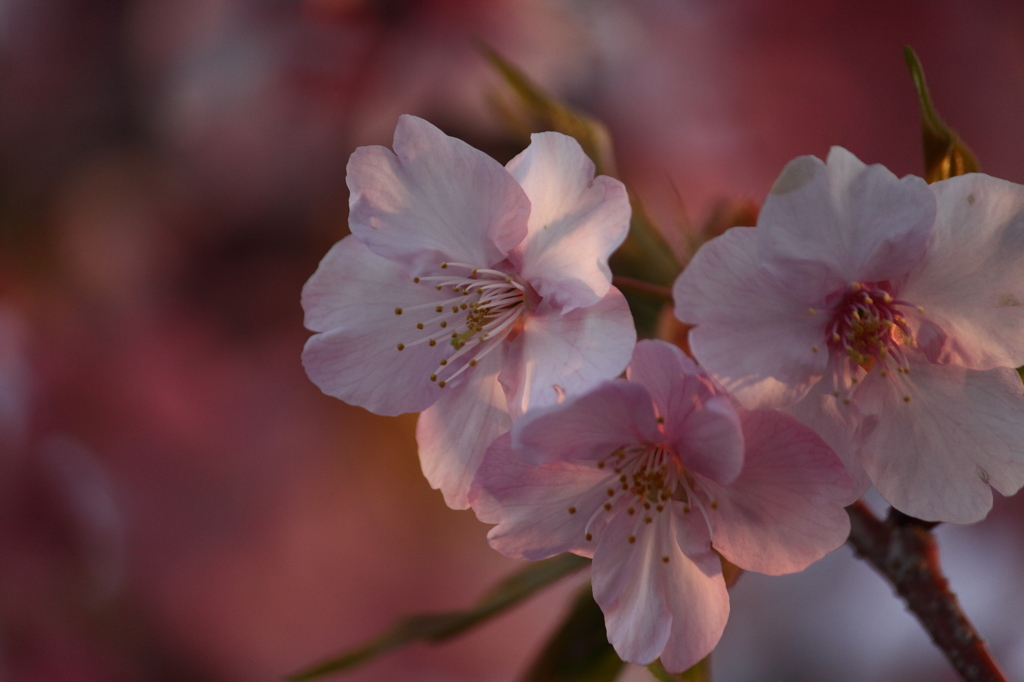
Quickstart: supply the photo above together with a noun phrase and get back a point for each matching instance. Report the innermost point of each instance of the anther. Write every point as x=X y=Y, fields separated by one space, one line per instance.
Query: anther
x=398 y=311
x=812 y=312
x=588 y=537
x=401 y=346
x=415 y=280
x=443 y=362
x=441 y=383
x=433 y=377
x=443 y=324
x=661 y=420
x=664 y=559
x=648 y=519
x=432 y=342
x=419 y=325
x=444 y=266
x=631 y=511
x=611 y=493
x=920 y=309
x=814 y=349
x=438 y=309
x=472 y=363
x=572 y=510
x=906 y=398
x=632 y=539
x=607 y=506
x=600 y=465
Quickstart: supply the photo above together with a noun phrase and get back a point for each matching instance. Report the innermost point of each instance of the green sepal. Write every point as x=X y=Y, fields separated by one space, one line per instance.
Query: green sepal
x=701 y=672
x=539 y=112
x=579 y=651
x=437 y=627
x=945 y=154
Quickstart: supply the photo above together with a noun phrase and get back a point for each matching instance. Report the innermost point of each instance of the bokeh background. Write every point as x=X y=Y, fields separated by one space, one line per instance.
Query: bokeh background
x=179 y=503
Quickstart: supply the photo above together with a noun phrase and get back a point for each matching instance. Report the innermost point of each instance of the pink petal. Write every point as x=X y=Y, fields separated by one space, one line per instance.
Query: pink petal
x=569 y=350
x=531 y=504
x=676 y=610
x=576 y=221
x=935 y=456
x=434 y=199
x=589 y=427
x=351 y=300
x=860 y=221
x=704 y=429
x=785 y=511
x=628 y=586
x=971 y=284
x=699 y=603
x=752 y=332
x=455 y=432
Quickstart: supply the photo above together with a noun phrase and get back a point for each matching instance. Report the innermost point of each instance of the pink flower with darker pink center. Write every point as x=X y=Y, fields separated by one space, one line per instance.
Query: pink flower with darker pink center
x=884 y=313
x=468 y=290
x=650 y=477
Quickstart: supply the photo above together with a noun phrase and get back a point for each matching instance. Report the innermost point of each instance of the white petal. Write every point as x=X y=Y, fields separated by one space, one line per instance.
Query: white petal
x=753 y=332
x=455 y=432
x=567 y=352
x=971 y=285
x=837 y=423
x=351 y=300
x=860 y=221
x=935 y=456
x=434 y=199
x=576 y=221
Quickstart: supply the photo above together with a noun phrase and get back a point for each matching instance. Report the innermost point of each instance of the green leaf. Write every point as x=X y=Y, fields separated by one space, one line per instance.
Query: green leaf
x=579 y=651
x=698 y=673
x=945 y=154
x=436 y=627
x=544 y=112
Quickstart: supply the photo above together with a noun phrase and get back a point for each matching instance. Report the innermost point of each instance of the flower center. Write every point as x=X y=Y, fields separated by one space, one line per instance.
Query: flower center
x=483 y=308
x=869 y=326
x=645 y=480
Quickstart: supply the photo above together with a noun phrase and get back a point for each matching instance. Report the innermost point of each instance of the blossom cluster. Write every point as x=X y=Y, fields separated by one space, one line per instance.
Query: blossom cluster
x=865 y=331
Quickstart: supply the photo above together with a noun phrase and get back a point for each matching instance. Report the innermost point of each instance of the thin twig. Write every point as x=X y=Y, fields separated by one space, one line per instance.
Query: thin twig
x=642 y=287
x=903 y=550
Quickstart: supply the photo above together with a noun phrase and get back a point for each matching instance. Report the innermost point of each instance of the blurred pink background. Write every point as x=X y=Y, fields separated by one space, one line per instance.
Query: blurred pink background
x=178 y=501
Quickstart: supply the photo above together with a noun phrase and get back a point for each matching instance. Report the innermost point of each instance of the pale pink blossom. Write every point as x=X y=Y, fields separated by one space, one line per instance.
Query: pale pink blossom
x=650 y=476
x=469 y=290
x=887 y=315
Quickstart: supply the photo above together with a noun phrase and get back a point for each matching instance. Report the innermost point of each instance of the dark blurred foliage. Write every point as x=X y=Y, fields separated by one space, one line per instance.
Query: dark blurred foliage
x=177 y=500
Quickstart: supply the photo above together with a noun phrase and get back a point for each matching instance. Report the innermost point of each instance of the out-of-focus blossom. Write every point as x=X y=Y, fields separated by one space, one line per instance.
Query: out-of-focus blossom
x=647 y=476
x=469 y=290
x=886 y=314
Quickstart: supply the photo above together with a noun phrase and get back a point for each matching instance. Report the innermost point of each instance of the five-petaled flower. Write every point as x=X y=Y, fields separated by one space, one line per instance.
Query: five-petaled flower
x=647 y=475
x=469 y=290
x=887 y=315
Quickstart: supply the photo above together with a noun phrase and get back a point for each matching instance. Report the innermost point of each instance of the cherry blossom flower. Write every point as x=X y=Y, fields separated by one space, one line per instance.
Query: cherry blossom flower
x=649 y=477
x=469 y=290
x=886 y=314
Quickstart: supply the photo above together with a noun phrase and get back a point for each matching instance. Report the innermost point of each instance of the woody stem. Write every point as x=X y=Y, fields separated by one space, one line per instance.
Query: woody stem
x=904 y=551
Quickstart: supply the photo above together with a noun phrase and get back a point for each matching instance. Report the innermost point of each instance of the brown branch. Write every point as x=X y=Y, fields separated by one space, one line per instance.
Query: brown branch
x=903 y=550
x=642 y=287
